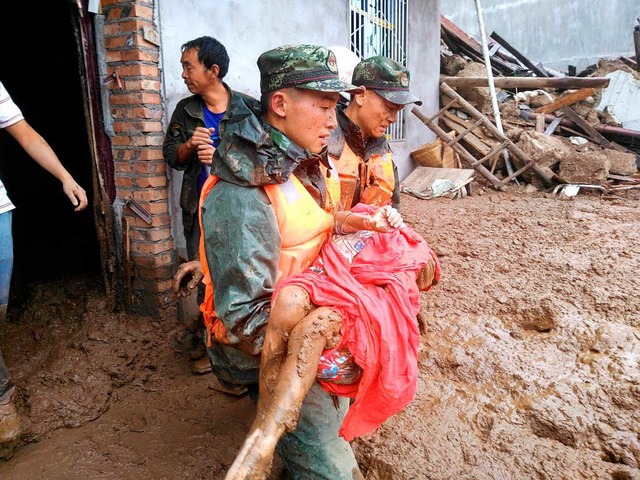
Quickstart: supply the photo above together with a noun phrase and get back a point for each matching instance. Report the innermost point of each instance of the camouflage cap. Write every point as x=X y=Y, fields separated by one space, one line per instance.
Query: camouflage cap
x=302 y=66
x=387 y=78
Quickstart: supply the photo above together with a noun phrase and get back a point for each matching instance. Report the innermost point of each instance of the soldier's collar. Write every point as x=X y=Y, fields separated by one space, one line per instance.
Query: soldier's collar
x=295 y=152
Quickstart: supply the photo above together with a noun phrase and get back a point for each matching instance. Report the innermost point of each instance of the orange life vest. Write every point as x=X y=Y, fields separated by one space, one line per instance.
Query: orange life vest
x=303 y=225
x=373 y=178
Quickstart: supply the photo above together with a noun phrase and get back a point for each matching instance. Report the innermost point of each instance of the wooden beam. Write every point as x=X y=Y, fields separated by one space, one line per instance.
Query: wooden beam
x=584 y=125
x=528 y=82
x=568 y=99
x=473 y=48
x=525 y=61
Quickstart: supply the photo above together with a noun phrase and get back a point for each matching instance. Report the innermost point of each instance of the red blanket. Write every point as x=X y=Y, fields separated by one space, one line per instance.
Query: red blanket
x=378 y=299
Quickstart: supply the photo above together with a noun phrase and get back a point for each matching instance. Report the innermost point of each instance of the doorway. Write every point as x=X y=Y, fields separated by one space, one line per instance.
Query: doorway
x=51 y=241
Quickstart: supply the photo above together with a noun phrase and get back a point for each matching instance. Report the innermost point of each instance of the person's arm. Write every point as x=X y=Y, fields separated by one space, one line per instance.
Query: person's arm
x=38 y=149
x=242 y=245
x=384 y=219
x=175 y=148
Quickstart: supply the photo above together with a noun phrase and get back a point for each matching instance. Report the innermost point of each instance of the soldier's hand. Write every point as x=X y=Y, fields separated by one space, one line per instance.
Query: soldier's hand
x=187 y=278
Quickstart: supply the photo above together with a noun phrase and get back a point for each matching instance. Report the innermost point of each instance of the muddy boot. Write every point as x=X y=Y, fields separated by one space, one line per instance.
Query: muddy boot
x=201 y=366
x=10 y=424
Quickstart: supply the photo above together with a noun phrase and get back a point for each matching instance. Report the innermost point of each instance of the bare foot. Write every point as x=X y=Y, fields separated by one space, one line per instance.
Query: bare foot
x=253 y=462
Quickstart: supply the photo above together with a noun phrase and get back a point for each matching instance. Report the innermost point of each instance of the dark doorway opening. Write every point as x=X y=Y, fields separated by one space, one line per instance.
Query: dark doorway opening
x=39 y=68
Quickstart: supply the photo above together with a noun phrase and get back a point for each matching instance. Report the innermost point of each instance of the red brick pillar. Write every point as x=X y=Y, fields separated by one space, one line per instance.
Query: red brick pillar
x=132 y=55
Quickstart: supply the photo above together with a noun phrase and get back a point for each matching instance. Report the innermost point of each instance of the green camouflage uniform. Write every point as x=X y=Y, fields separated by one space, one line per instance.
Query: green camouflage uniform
x=390 y=80
x=242 y=245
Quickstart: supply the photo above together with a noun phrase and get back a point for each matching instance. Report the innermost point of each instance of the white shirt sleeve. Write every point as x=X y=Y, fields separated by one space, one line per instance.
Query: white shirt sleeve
x=9 y=111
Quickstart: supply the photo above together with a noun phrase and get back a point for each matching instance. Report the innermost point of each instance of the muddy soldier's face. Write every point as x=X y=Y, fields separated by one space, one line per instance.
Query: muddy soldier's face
x=310 y=117
x=377 y=114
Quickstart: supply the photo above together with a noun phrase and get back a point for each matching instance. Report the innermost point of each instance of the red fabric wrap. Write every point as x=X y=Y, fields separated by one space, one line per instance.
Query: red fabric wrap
x=378 y=299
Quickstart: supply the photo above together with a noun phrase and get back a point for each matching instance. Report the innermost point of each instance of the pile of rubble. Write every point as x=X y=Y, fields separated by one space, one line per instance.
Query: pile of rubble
x=556 y=132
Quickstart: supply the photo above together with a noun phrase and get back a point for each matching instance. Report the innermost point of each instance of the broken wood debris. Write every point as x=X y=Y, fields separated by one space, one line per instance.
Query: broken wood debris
x=532 y=98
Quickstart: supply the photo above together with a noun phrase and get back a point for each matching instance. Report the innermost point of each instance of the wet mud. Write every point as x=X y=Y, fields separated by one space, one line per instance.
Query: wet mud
x=529 y=361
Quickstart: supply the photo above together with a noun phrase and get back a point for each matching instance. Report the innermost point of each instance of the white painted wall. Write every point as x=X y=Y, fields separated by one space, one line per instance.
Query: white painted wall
x=555 y=32
x=248 y=28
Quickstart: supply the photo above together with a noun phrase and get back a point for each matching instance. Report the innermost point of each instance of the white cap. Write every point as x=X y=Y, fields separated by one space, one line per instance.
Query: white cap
x=347 y=61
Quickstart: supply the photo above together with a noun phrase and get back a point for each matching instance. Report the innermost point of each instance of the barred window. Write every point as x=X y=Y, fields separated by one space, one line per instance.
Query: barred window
x=379 y=27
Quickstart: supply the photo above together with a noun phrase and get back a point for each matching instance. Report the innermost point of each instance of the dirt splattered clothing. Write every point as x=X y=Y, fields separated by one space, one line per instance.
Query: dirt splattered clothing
x=303 y=226
x=367 y=171
x=242 y=242
x=378 y=299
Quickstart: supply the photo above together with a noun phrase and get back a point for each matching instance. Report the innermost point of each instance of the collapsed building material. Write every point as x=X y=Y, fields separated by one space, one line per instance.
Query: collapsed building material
x=427 y=182
x=492 y=88
x=568 y=99
x=633 y=136
x=622 y=163
x=585 y=167
x=454 y=141
x=528 y=82
x=459 y=41
x=525 y=61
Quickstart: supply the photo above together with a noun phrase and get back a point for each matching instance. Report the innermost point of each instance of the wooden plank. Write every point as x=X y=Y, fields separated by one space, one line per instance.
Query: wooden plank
x=478 y=132
x=568 y=99
x=472 y=141
x=584 y=125
x=460 y=35
x=528 y=82
x=552 y=126
x=540 y=123
x=473 y=48
x=525 y=61
x=629 y=62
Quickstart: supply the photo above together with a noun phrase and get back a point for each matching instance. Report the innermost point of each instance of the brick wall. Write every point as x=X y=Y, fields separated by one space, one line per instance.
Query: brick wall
x=136 y=109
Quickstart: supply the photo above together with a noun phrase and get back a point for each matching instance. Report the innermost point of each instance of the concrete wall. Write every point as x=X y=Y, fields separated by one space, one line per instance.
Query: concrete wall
x=423 y=61
x=248 y=28
x=555 y=32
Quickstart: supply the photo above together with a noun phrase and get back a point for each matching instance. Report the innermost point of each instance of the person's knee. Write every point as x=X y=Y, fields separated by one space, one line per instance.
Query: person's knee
x=289 y=307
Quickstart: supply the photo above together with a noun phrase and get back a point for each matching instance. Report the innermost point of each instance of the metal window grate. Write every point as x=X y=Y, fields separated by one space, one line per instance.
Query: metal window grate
x=379 y=27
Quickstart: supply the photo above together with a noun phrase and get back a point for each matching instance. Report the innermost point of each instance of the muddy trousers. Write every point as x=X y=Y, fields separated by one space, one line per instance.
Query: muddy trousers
x=6 y=267
x=313 y=451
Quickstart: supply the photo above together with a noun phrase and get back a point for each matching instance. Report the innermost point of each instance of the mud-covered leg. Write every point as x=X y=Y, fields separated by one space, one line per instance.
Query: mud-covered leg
x=295 y=378
x=289 y=308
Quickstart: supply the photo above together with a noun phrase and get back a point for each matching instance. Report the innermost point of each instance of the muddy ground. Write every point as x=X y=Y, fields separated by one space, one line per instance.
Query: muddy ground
x=530 y=365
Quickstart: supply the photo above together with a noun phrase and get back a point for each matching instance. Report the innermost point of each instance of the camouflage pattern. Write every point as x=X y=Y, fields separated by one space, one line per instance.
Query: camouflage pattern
x=311 y=67
x=387 y=78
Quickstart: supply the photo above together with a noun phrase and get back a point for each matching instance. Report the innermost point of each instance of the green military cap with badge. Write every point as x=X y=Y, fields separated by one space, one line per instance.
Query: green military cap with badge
x=311 y=67
x=387 y=78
